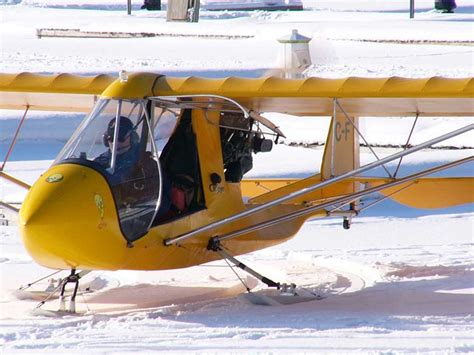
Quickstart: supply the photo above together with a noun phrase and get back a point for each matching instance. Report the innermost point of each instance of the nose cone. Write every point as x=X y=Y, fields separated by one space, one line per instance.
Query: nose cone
x=68 y=219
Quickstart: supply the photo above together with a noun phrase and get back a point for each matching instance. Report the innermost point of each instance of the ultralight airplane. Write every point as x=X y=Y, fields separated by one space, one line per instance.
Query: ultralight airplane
x=152 y=179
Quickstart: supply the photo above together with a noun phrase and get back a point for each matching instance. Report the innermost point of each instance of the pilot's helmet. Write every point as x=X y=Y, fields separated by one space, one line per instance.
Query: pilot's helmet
x=126 y=126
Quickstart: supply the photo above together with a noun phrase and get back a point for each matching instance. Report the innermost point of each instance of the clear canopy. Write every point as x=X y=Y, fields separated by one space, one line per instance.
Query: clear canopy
x=122 y=140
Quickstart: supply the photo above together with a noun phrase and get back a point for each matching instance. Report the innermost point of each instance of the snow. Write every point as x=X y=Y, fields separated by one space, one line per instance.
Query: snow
x=399 y=281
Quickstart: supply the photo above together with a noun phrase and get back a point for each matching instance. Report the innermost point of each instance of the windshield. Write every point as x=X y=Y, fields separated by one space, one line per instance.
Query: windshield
x=116 y=140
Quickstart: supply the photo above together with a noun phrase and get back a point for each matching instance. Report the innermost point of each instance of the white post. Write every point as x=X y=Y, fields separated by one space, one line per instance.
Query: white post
x=294 y=55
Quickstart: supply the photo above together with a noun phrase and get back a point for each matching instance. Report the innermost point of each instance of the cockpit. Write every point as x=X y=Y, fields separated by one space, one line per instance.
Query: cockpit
x=146 y=151
x=126 y=154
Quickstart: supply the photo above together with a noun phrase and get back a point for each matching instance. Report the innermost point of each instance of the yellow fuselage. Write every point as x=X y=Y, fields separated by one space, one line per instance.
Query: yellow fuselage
x=69 y=218
x=64 y=227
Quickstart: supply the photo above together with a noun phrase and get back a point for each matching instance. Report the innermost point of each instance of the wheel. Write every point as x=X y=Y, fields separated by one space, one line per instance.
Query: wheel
x=346 y=224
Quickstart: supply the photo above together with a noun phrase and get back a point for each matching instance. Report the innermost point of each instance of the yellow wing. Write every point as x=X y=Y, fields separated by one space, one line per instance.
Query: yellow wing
x=62 y=92
x=392 y=96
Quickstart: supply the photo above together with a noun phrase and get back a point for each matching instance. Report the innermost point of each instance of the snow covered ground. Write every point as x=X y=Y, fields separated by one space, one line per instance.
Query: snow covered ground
x=400 y=281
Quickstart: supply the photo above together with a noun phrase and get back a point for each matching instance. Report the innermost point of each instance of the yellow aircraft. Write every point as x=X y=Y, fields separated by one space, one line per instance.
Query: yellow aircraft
x=152 y=179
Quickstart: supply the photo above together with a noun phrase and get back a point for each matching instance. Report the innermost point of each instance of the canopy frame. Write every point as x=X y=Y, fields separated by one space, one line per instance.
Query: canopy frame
x=214 y=103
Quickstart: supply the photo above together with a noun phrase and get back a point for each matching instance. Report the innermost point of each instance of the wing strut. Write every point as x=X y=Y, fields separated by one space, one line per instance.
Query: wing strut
x=336 y=102
x=7 y=156
x=320 y=185
x=12 y=144
x=406 y=145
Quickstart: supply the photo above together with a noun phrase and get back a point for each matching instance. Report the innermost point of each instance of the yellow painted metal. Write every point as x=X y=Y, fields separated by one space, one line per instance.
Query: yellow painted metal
x=434 y=87
x=62 y=226
x=341 y=153
x=391 y=96
x=313 y=96
x=135 y=86
x=58 y=83
x=420 y=193
x=255 y=187
x=286 y=187
x=61 y=92
x=432 y=192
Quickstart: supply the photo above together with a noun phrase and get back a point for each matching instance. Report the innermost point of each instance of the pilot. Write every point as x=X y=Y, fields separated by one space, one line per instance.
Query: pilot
x=127 y=148
x=134 y=171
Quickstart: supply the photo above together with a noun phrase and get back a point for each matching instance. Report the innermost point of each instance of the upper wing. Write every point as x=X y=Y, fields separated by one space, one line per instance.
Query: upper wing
x=62 y=92
x=392 y=96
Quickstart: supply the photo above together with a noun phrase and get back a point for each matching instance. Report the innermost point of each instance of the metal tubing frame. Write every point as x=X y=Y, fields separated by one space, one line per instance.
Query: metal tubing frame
x=116 y=135
x=333 y=138
x=371 y=204
x=362 y=136
x=7 y=156
x=62 y=285
x=346 y=199
x=8 y=206
x=10 y=149
x=336 y=213
x=151 y=133
x=241 y=265
x=384 y=198
x=317 y=186
x=14 y=180
x=167 y=100
x=99 y=105
x=407 y=143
